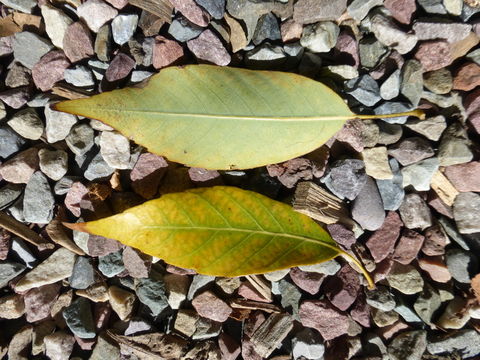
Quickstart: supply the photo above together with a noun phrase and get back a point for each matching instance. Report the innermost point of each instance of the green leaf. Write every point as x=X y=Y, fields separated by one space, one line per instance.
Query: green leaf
x=221 y=117
x=222 y=231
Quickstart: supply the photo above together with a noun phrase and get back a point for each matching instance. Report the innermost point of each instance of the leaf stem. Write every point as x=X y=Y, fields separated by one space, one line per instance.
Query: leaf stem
x=351 y=259
x=417 y=113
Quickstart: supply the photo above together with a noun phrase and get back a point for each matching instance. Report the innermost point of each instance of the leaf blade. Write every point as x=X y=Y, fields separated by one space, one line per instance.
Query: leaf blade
x=229 y=243
x=221 y=118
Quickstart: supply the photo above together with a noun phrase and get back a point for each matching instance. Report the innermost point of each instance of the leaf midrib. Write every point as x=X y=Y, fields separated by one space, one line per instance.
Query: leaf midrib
x=236 y=117
x=260 y=232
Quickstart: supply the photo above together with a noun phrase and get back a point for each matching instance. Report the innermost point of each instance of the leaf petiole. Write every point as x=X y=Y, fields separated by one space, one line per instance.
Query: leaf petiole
x=417 y=113
x=352 y=260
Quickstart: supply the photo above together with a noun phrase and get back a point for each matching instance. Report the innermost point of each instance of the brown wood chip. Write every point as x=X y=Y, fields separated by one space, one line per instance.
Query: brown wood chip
x=22 y=230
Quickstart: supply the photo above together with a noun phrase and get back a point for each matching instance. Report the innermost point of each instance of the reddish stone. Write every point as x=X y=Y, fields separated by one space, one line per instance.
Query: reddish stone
x=408 y=246
x=199 y=175
x=291 y=31
x=4 y=244
x=435 y=241
x=147 y=174
x=101 y=246
x=39 y=301
x=307 y=281
x=74 y=197
x=347 y=44
x=78 y=42
x=382 y=270
x=341 y=235
x=136 y=263
x=166 y=52
x=360 y=311
x=208 y=47
x=292 y=171
x=401 y=10
x=382 y=242
x=467 y=77
x=118 y=4
x=351 y=133
x=435 y=268
x=16 y=98
x=465 y=177
x=434 y=55
x=211 y=307
x=390 y=331
x=119 y=68
x=101 y=314
x=192 y=11
x=247 y=290
x=228 y=347
x=322 y=316
x=474 y=120
x=49 y=69
x=19 y=169
x=472 y=102
x=85 y=344
x=436 y=203
x=179 y=271
x=342 y=288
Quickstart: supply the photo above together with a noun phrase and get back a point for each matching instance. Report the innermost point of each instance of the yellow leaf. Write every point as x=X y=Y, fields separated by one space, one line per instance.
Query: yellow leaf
x=221 y=231
x=220 y=117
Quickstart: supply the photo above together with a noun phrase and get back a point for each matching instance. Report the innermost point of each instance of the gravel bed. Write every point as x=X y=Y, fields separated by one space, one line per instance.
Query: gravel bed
x=410 y=187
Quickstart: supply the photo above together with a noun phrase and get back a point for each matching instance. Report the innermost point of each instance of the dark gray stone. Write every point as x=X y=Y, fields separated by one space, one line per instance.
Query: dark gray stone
x=409 y=345
x=10 y=141
x=461 y=264
x=8 y=271
x=391 y=107
x=391 y=190
x=267 y=29
x=152 y=293
x=111 y=264
x=38 y=201
x=346 y=178
x=79 y=319
x=216 y=8
x=367 y=208
x=464 y=342
x=98 y=168
x=183 y=30
x=83 y=274
x=9 y=193
x=365 y=89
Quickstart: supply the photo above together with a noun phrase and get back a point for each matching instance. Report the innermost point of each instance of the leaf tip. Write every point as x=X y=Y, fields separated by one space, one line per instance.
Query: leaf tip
x=76 y=226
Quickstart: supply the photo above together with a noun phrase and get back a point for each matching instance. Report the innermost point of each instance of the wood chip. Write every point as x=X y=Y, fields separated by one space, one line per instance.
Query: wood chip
x=261 y=286
x=162 y=8
x=254 y=305
x=70 y=92
x=22 y=230
x=319 y=204
x=444 y=188
x=60 y=235
x=271 y=333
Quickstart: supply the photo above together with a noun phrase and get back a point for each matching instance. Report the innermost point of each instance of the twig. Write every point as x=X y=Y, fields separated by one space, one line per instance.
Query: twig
x=19 y=229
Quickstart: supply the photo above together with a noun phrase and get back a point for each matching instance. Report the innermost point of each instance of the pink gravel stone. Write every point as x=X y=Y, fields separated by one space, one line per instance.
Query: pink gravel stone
x=434 y=55
x=435 y=241
x=20 y=168
x=136 y=263
x=467 y=77
x=401 y=10
x=85 y=344
x=192 y=11
x=118 y=4
x=322 y=316
x=166 y=52
x=249 y=292
x=101 y=246
x=4 y=244
x=472 y=102
x=408 y=247
x=390 y=331
x=382 y=242
x=435 y=267
x=292 y=171
x=208 y=305
x=78 y=42
x=351 y=133
x=207 y=47
x=74 y=197
x=436 y=203
x=360 y=311
x=119 y=68
x=39 y=301
x=347 y=45
x=343 y=287
x=147 y=173
x=179 y=271
x=341 y=235
x=16 y=98
x=291 y=31
x=49 y=69
x=307 y=281
x=199 y=175
x=465 y=177
x=228 y=347
x=382 y=270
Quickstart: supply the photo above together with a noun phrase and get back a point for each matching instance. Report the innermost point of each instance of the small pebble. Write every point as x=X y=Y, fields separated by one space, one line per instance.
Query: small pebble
x=122 y=302
x=464 y=342
x=405 y=278
x=365 y=89
x=210 y=306
x=382 y=242
x=320 y=37
x=166 y=52
x=58 y=124
x=454 y=146
x=367 y=208
x=408 y=345
x=95 y=13
x=415 y=212
x=408 y=247
x=307 y=344
x=412 y=81
x=419 y=175
x=53 y=163
x=390 y=35
x=182 y=30
x=439 y=81
x=83 y=274
x=98 y=168
x=376 y=163
x=381 y=298
x=115 y=149
x=28 y=48
x=465 y=209
x=123 y=28
x=11 y=306
x=209 y=48
x=320 y=315
x=411 y=150
x=151 y=292
x=79 y=76
x=401 y=10
x=59 y=345
x=192 y=11
x=49 y=69
x=20 y=168
x=39 y=300
x=79 y=319
x=390 y=88
x=435 y=267
x=432 y=128
x=461 y=264
x=8 y=271
x=38 y=201
x=346 y=178
x=111 y=264
x=27 y=124
x=78 y=41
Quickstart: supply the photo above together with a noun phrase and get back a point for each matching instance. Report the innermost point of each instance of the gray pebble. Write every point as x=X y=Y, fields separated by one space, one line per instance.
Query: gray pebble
x=83 y=274
x=206 y=329
x=432 y=128
x=452 y=232
x=391 y=86
x=28 y=48
x=439 y=81
x=358 y=9
x=464 y=342
x=80 y=139
x=391 y=107
x=330 y=267
x=38 y=201
x=371 y=51
x=290 y=296
x=264 y=54
x=216 y=8
x=98 y=168
x=53 y=163
x=79 y=319
x=411 y=150
x=115 y=149
x=367 y=208
x=412 y=81
x=461 y=264
x=419 y=175
x=391 y=190
x=427 y=303
x=454 y=146
x=433 y=6
x=27 y=123
x=139 y=75
x=8 y=271
x=9 y=193
x=198 y=282
x=381 y=299
x=389 y=34
x=466 y=209
x=408 y=345
x=365 y=89
x=58 y=124
x=346 y=178
x=25 y=6
x=10 y=141
x=407 y=313
x=307 y=344
x=183 y=30
x=63 y=185
x=123 y=27
x=111 y=264
x=152 y=293
x=267 y=29
x=415 y=213
x=22 y=251
x=80 y=76
x=320 y=37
